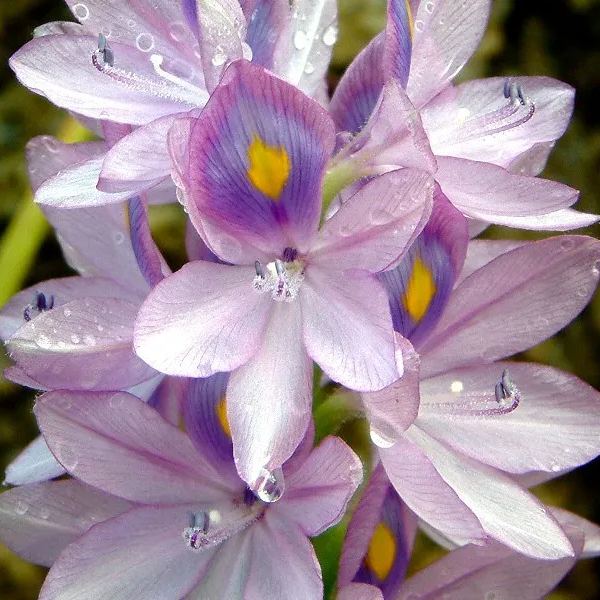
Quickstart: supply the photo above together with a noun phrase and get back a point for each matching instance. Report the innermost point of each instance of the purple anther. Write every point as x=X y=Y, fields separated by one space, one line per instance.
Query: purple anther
x=290 y=254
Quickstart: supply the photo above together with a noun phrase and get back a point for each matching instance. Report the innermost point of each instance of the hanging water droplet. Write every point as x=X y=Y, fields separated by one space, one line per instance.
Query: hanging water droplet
x=300 y=40
x=330 y=35
x=270 y=485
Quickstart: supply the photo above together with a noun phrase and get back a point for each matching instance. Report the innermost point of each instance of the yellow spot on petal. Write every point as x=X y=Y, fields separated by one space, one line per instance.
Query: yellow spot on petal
x=382 y=551
x=419 y=291
x=221 y=409
x=411 y=23
x=269 y=168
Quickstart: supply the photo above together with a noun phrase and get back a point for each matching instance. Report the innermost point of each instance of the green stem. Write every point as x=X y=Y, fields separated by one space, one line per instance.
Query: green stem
x=338 y=177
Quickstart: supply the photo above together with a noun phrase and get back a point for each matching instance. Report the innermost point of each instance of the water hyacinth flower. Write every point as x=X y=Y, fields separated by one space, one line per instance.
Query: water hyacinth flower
x=489 y=137
x=290 y=292
x=141 y=65
x=378 y=544
x=182 y=524
x=480 y=425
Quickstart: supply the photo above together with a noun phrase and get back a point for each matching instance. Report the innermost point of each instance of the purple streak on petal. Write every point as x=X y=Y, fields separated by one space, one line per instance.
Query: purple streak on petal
x=440 y=250
x=378 y=504
x=254 y=107
x=398 y=41
x=152 y=265
x=397 y=518
x=189 y=8
x=266 y=23
x=38 y=521
x=205 y=420
x=359 y=89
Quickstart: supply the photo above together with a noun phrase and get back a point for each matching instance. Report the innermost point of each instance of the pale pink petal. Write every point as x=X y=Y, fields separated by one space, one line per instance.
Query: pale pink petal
x=492 y=571
x=555 y=427
x=590 y=531
x=35 y=463
x=317 y=494
x=269 y=398
x=506 y=511
x=456 y=125
x=392 y=410
x=514 y=302
x=138 y=555
x=564 y=219
x=425 y=492
x=484 y=191
x=138 y=161
x=446 y=34
x=376 y=225
x=84 y=344
x=283 y=563
x=201 y=320
x=117 y=443
x=348 y=328
x=38 y=521
x=360 y=591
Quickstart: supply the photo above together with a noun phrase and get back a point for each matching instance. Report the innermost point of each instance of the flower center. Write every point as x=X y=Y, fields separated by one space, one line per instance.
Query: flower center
x=282 y=278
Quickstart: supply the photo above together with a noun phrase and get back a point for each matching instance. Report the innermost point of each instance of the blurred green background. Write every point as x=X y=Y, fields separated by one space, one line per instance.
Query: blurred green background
x=558 y=38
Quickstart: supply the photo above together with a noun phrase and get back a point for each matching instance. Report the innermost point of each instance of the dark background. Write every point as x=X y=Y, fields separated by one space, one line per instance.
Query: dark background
x=558 y=38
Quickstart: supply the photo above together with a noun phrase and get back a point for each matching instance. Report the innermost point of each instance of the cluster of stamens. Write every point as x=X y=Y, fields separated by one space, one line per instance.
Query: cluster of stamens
x=41 y=303
x=282 y=279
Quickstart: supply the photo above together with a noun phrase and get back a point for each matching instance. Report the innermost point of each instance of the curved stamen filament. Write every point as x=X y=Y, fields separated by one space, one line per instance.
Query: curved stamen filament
x=506 y=399
x=172 y=88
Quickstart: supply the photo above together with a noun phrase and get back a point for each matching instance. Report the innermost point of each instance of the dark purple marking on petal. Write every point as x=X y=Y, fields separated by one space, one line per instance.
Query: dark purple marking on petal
x=398 y=41
x=426 y=275
x=190 y=12
x=146 y=252
x=358 y=92
x=205 y=418
x=257 y=130
x=264 y=28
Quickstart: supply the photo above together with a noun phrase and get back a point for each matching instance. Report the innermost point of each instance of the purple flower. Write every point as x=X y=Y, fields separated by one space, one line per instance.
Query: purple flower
x=378 y=545
x=251 y=167
x=143 y=66
x=487 y=138
x=168 y=520
x=484 y=429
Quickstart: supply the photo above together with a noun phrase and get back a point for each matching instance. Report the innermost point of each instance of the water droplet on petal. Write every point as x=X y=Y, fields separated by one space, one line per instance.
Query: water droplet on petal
x=379 y=217
x=429 y=6
x=380 y=440
x=118 y=237
x=309 y=68
x=66 y=457
x=67 y=312
x=75 y=338
x=270 y=485
x=330 y=35
x=44 y=513
x=81 y=11
x=144 y=42
x=219 y=57
x=300 y=40
x=419 y=25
